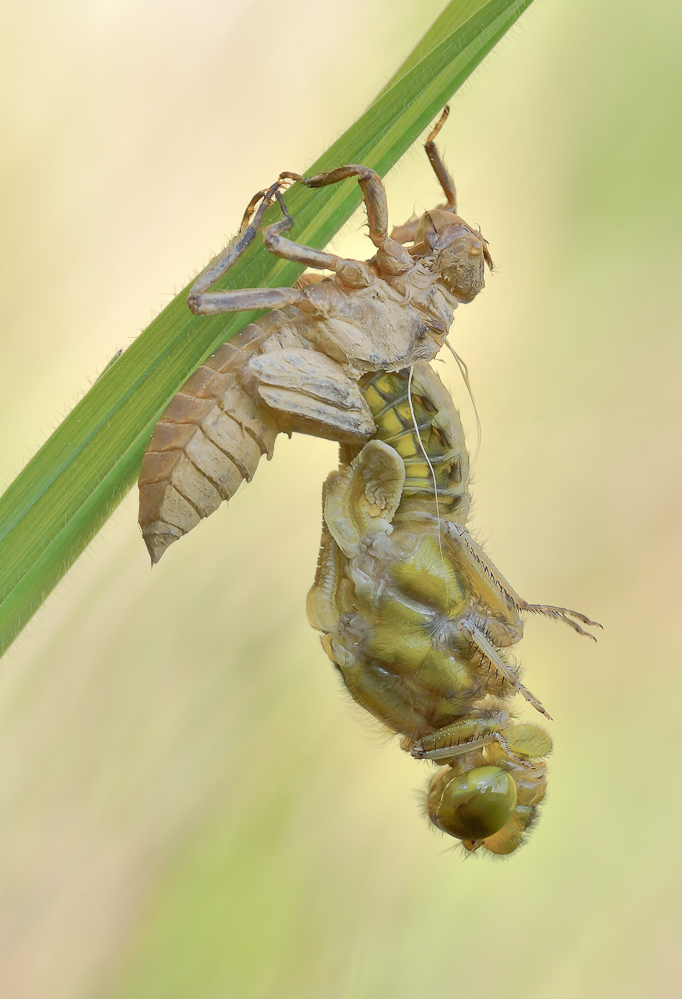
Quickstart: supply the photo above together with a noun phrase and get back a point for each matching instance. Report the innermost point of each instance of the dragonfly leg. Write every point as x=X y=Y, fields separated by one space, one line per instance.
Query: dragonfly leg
x=407 y=233
x=391 y=257
x=439 y=168
x=250 y=224
x=352 y=273
x=501 y=597
x=373 y=193
x=520 y=743
x=461 y=736
x=489 y=652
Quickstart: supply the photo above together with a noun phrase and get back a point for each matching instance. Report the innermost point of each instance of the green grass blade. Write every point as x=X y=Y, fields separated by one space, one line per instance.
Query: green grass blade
x=67 y=491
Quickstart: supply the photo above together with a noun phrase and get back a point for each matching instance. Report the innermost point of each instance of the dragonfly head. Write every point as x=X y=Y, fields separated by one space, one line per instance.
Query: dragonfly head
x=491 y=799
x=474 y=805
x=457 y=252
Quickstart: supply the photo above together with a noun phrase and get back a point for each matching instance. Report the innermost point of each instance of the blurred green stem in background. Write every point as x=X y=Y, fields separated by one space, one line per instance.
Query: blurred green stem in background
x=67 y=491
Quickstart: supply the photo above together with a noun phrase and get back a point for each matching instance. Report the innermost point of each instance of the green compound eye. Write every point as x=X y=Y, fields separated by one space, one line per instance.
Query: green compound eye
x=474 y=805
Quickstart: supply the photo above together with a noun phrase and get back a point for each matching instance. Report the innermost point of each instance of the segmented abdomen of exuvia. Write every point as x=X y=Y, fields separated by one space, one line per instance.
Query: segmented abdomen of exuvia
x=209 y=440
x=417 y=417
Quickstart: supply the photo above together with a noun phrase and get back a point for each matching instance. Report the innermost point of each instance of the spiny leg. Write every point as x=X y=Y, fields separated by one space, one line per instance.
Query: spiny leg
x=203 y=303
x=499 y=594
x=461 y=736
x=373 y=193
x=250 y=224
x=353 y=273
x=522 y=744
x=489 y=652
x=391 y=256
x=439 y=168
x=406 y=233
x=564 y=614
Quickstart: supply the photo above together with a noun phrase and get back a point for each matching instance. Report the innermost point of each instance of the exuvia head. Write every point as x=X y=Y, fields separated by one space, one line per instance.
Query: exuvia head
x=445 y=243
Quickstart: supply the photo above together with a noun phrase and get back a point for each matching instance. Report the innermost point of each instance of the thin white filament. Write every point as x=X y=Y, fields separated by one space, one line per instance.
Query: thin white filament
x=464 y=371
x=428 y=460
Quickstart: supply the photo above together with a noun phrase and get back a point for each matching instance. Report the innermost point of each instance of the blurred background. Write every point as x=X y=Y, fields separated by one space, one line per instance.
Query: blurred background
x=190 y=807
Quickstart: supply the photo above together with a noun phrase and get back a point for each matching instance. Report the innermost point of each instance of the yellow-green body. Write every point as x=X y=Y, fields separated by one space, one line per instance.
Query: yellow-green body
x=416 y=619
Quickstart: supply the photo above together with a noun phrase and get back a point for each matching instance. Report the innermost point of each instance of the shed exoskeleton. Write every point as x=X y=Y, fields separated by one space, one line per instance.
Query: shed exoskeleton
x=297 y=369
x=417 y=619
x=413 y=614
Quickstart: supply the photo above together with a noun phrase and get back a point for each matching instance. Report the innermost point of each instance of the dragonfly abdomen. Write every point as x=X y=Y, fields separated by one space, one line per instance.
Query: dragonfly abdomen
x=417 y=418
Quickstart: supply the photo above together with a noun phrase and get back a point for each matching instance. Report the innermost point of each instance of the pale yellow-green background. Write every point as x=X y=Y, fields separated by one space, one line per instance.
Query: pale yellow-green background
x=189 y=806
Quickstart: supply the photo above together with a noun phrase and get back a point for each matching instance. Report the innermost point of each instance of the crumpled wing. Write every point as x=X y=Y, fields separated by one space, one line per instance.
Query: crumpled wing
x=361 y=499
